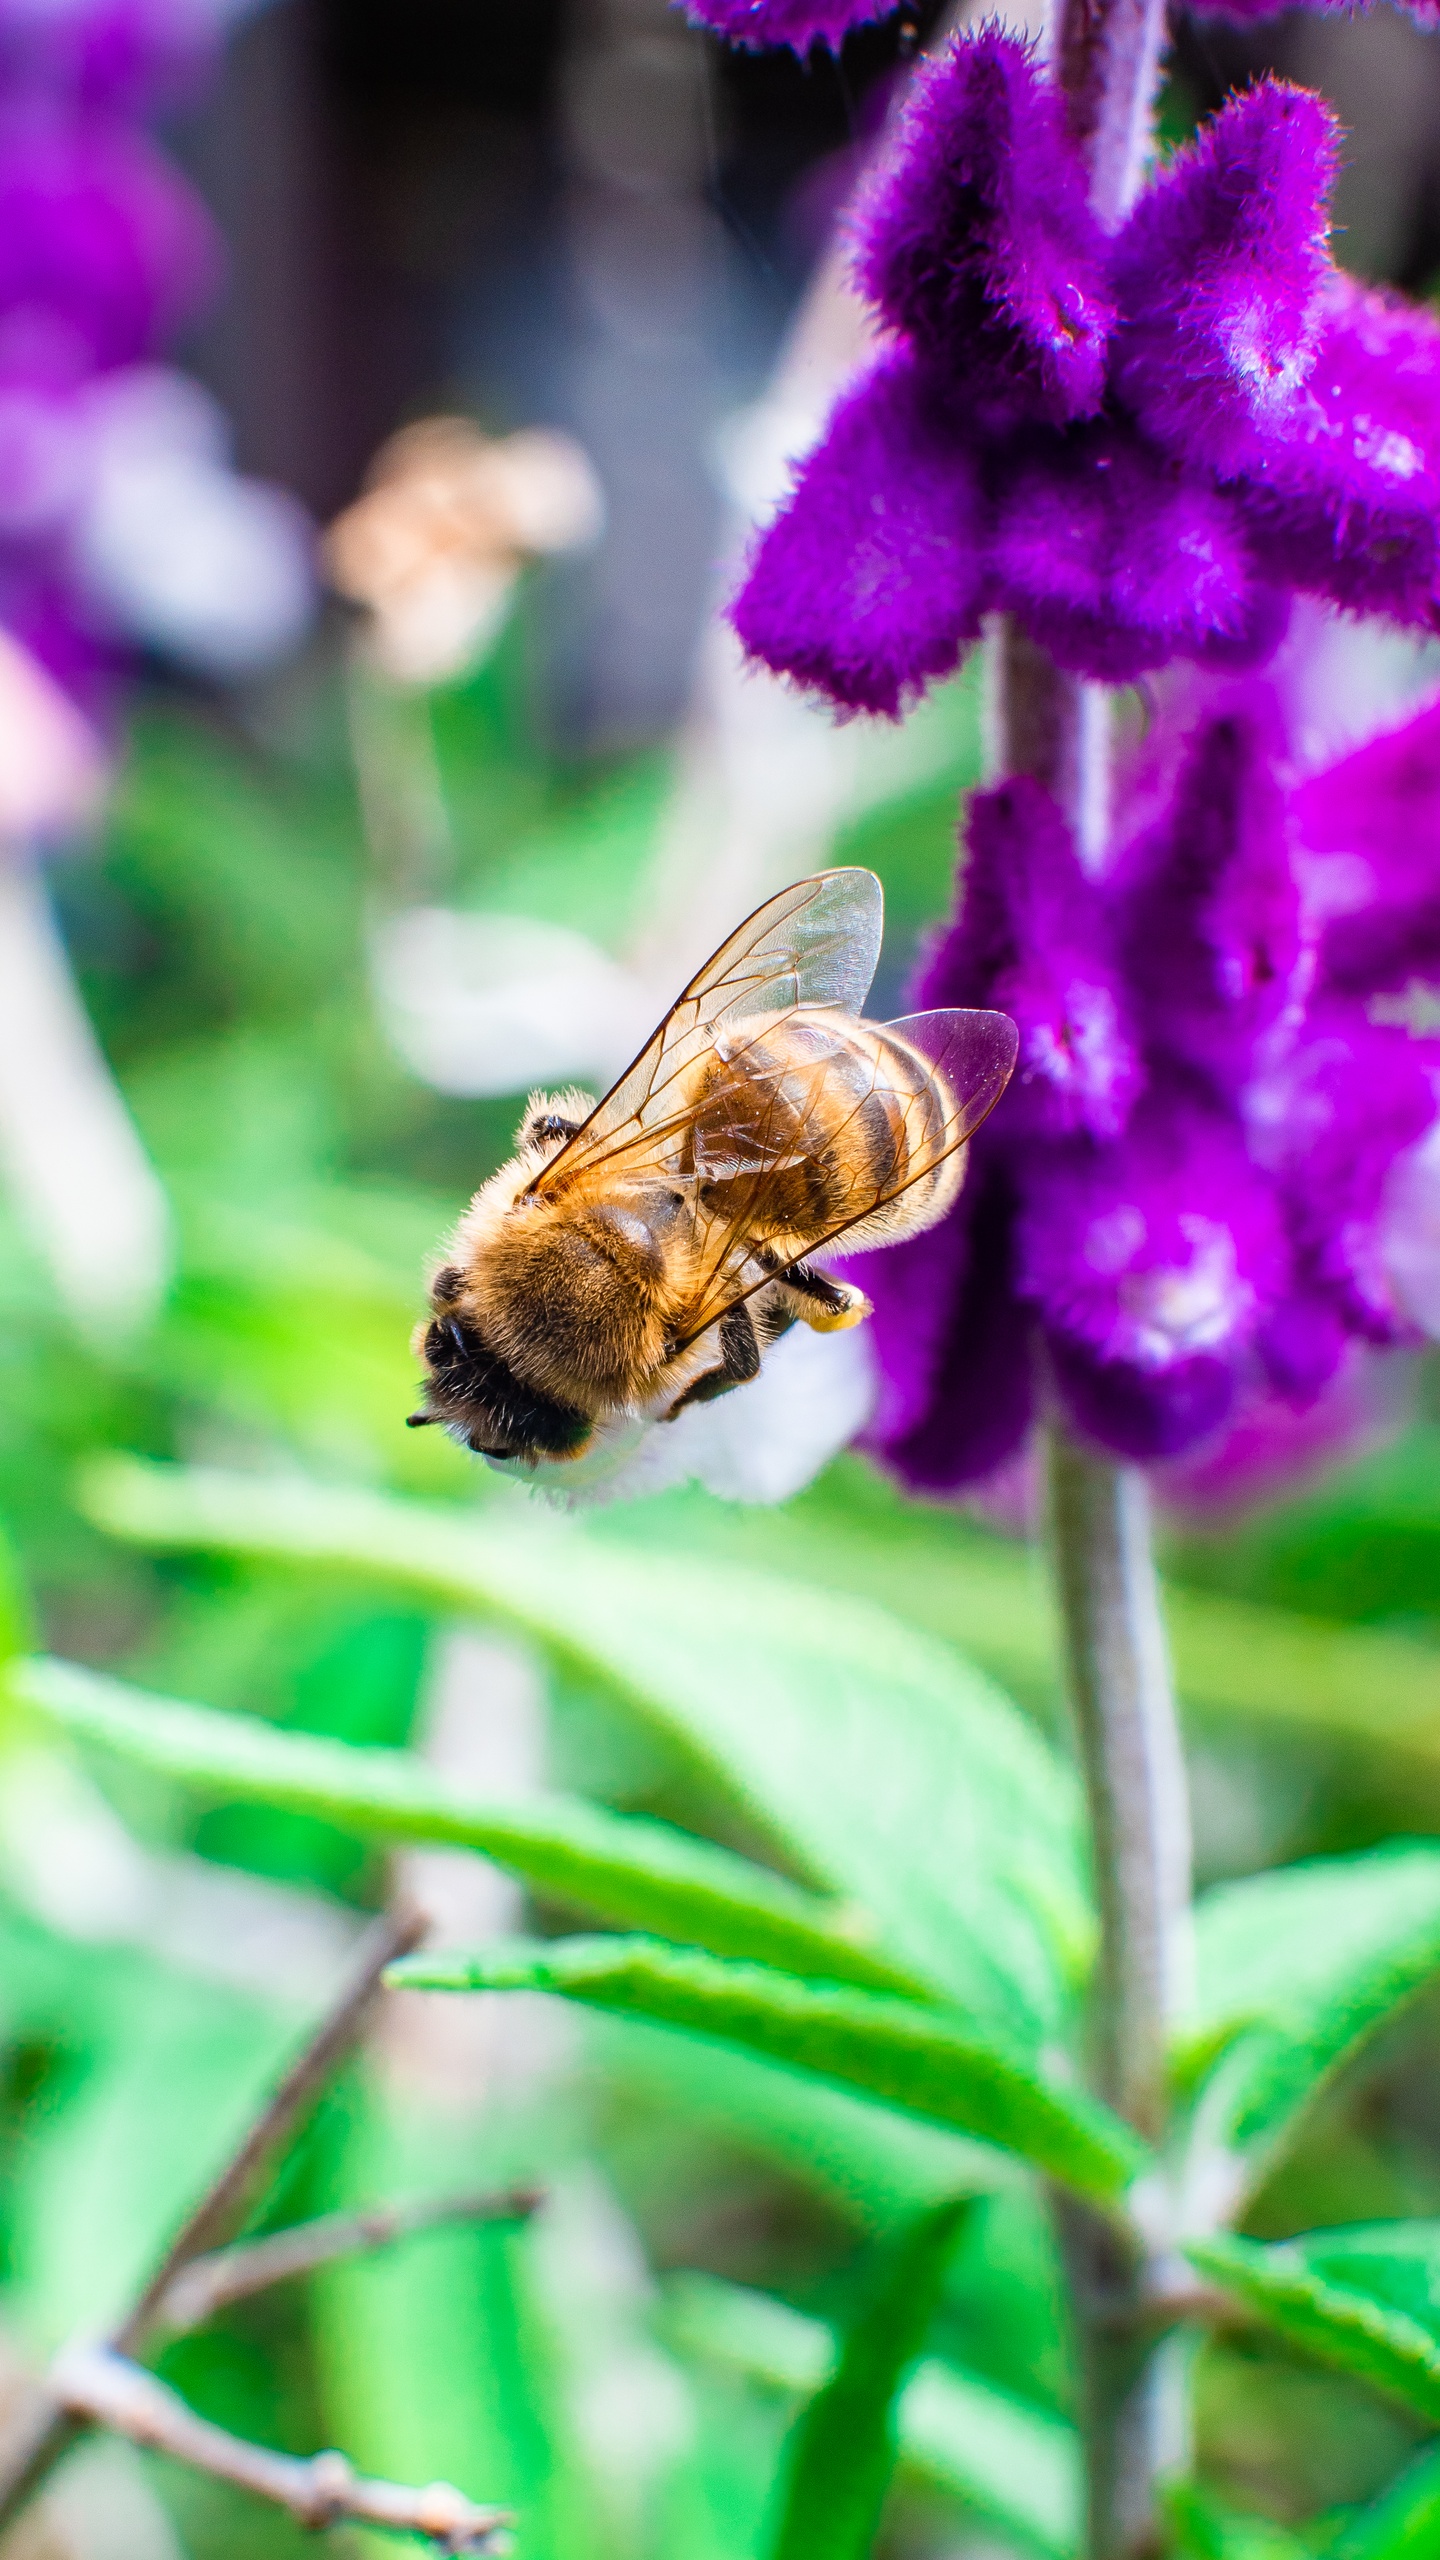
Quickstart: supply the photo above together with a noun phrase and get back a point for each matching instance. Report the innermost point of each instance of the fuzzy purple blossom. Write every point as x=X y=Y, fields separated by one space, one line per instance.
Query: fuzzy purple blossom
x=1197 y=1199
x=1161 y=436
x=761 y=24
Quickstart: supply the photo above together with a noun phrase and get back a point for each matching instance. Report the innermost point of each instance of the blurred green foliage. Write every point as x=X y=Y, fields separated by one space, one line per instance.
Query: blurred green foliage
x=628 y=2368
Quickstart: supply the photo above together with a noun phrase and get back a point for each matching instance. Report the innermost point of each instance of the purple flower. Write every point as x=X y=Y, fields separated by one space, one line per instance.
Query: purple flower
x=757 y=24
x=1219 y=272
x=1149 y=1263
x=1369 y=829
x=1160 y=437
x=978 y=234
x=103 y=249
x=1033 y=941
x=1216 y=950
x=1116 y=561
x=1217 y=1171
x=870 y=585
x=133 y=54
x=121 y=522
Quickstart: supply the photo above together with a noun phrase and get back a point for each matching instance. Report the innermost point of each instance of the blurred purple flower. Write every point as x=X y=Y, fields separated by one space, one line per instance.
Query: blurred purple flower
x=104 y=249
x=1159 y=437
x=121 y=520
x=760 y=24
x=1217 y=1173
x=131 y=55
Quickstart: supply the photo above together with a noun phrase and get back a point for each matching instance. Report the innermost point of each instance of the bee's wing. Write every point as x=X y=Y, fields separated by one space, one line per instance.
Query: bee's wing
x=814 y=944
x=975 y=1054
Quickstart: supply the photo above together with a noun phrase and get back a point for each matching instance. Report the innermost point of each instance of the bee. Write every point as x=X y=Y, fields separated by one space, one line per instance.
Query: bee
x=640 y=1255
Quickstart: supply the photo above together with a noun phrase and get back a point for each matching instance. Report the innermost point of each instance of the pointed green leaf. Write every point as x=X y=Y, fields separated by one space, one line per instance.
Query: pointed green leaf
x=1295 y=1971
x=1366 y=2299
x=839 y=2458
x=928 y=2061
x=1402 y=2525
x=622 y=1867
x=1016 y=2465
x=839 y=1729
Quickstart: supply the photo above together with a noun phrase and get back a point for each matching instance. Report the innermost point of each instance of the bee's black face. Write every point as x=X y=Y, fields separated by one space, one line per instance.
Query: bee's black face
x=481 y=1401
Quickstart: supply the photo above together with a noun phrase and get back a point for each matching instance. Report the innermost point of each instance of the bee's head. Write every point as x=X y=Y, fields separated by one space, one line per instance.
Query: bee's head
x=475 y=1393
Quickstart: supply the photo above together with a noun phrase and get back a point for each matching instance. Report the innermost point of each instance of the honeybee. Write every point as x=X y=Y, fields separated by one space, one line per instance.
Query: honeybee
x=639 y=1255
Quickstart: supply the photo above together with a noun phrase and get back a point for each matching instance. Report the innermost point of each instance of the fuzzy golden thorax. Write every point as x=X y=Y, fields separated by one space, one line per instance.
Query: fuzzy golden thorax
x=552 y=1310
x=570 y=1290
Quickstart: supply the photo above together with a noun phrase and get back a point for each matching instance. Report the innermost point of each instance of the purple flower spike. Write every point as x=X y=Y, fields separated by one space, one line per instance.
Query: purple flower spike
x=1144 y=1415
x=1301 y=1345
x=1033 y=940
x=1346 y=503
x=959 y=1410
x=760 y=24
x=975 y=236
x=1212 y=935
x=1158 y=1248
x=1116 y=563
x=1330 y=1123
x=1218 y=274
x=868 y=585
x=1371 y=831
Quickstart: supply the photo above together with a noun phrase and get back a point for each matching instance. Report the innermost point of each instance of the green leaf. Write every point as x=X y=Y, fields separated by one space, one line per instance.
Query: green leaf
x=1237 y=1661
x=839 y=1729
x=15 y=1628
x=1206 y=2530
x=1402 y=2525
x=840 y=2455
x=1366 y=2299
x=1296 y=1970
x=871 y=2164
x=953 y=2071
x=1019 y=2467
x=622 y=1867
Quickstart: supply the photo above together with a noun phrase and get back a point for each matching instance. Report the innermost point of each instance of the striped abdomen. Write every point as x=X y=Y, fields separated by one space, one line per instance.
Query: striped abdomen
x=812 y=1121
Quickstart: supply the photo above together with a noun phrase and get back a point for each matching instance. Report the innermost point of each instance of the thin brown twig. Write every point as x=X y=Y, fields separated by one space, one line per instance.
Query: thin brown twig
x=229 y=2195
x=58 y=2409
x=207 y=2285
x=97 y=2387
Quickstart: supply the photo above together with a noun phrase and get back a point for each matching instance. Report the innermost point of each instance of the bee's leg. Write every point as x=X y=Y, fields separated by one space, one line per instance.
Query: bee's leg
x=740 y=1364
x=826 y=1305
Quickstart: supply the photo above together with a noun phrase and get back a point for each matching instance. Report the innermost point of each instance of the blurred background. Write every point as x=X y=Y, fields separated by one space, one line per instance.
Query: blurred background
x=311 y=870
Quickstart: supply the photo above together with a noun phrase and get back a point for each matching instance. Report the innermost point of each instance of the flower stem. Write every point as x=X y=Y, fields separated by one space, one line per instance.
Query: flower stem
x=1056 y=728
x=1134 y=1775
x=1119 y=1678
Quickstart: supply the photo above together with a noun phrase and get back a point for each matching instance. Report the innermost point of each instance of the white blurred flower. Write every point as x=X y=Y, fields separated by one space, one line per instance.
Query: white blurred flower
x=437 y=540
x=760 y=1443
x=172 y=546
x=488 y=1004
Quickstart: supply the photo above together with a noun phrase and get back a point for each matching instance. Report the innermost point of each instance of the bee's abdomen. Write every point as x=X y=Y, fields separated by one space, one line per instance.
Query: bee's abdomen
x=889 y=1112
x=840 y=1114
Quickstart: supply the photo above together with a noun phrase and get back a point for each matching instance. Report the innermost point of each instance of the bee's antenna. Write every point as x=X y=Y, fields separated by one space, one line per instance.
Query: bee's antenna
x=418 y=1421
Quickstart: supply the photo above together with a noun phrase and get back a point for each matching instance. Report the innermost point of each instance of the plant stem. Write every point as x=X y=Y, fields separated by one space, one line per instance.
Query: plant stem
x=1056 y=728
x=1119 y=1680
